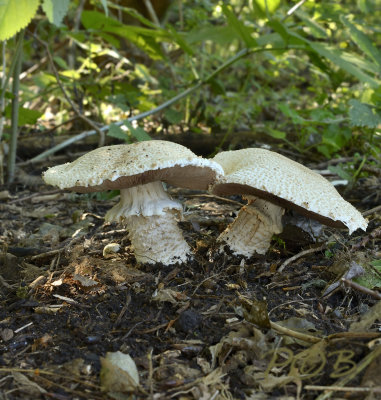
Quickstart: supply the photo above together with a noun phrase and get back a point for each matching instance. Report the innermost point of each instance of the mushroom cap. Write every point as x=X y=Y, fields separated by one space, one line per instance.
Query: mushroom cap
x=126 y=165
x=273 y=177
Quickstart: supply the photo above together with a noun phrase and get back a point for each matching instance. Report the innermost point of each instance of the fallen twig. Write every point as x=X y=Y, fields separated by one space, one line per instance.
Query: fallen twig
x=21 y=199
x=47 y=254
x=301 y=254
x=38 y=371
x=371 y=211
x=360 y=288
x=295 y=334
x=345 y=389
x=225 y=199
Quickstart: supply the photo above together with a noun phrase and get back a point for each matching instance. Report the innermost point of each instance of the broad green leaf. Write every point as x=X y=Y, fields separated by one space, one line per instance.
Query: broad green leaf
x=279 y=27
x=341 y=172
x=139 y=17
x=173 y=116
x=15 y=15
x=26 y=115
x=371 y=278
x=276 y=134
x=363 y=41
x=180 y=41
x=362 y=62
x=317 y=30
x=148 y=40
x=117 y=132
x=139 y=133
x=335 y=137
x=335 y=57
x=55 y=10
x=362 y=114
x=243 y=31
x=288 y=112
x=222 y=35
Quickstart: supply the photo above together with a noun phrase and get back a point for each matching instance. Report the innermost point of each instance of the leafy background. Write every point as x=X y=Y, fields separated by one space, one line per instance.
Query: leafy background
x=303 y=76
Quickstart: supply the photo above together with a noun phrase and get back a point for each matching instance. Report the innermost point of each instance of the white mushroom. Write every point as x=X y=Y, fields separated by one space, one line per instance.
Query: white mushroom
x=138 y=171
x=271 y=183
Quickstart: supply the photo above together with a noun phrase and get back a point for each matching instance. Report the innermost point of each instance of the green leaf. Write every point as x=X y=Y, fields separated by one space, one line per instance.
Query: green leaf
x=26 y=115
x=276 y=134
x=377 y=265
x=173 y=116
x=16 y=15
x=117 y=132
x=336 y=137
x=336 y=58
x=55 y=10
x=180 y=41
x=362 y=41
x=243 y=31
x=139 y=133
x=148 y=40
x=341 y=172
x=316 y=30
x=288 y=112
x=362 y=114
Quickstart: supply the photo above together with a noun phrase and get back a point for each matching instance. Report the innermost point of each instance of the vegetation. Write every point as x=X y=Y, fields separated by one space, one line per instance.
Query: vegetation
x=305 y=75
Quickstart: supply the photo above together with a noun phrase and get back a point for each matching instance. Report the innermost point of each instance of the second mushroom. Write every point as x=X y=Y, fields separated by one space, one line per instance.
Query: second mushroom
x=271 y=182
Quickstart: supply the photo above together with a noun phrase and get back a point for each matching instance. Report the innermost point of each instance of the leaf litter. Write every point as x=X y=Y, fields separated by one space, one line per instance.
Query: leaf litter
x=79 y=318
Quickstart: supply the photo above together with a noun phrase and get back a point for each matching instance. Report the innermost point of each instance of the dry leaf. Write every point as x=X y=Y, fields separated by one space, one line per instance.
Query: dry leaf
x=169 y=295
x=118 y=373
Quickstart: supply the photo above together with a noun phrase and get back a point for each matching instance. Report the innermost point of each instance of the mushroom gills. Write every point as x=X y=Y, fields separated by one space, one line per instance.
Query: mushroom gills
x=149 y=215
x=253 y=228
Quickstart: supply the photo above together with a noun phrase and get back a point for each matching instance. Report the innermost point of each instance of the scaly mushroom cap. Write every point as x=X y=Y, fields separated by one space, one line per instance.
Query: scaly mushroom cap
x=273 y=177
x=127 y=165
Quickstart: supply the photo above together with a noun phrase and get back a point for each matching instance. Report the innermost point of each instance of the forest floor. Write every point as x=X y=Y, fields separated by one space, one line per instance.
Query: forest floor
x=219 y=327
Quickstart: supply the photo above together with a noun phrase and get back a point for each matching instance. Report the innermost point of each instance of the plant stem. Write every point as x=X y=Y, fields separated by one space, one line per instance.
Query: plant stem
x=15 y=109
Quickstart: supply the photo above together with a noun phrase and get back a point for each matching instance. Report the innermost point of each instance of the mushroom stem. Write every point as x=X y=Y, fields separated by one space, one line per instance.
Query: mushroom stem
x=147 y=200
x=157 y=239
x=252 y=230
x=150 y=218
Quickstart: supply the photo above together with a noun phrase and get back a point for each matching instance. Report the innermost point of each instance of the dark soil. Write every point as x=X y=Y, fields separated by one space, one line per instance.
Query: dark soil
x=64 y=305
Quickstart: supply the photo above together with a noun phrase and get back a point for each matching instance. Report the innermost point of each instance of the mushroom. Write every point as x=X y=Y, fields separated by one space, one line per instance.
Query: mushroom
x=138 y=171
x=271 y=182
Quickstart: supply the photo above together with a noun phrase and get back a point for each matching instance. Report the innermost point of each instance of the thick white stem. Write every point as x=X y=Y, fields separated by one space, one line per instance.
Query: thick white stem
x=147 y=200
x=150 y=217
x=157 y=239
x=252 y=230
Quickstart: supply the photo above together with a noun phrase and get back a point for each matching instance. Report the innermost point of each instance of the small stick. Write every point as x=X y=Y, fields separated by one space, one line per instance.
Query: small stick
x=122 y=311
x=371 y=211
x=23 y=327
x=55 y=191
x=301 y=254
x=47 y=254
x=376 y=389
x=360 y=288
x=295 y=334
x=225 y=199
